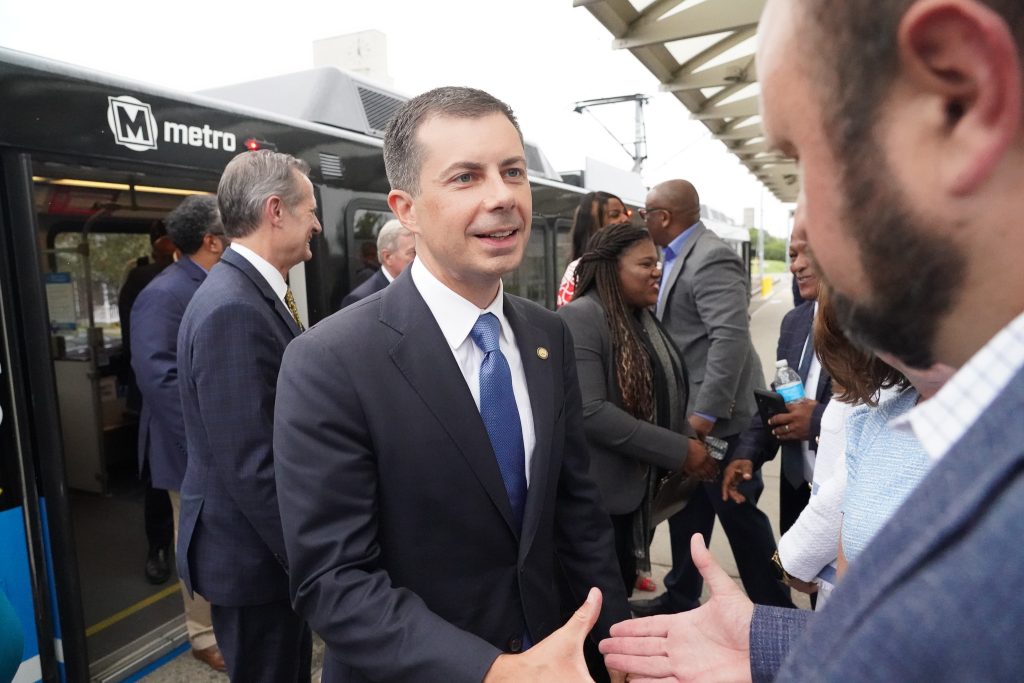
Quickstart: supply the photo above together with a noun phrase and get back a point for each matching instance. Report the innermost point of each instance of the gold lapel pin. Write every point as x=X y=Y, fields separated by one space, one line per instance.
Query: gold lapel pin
x=542 y=353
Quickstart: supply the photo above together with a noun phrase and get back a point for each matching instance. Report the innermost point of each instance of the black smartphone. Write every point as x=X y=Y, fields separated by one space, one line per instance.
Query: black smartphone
x=769 y=404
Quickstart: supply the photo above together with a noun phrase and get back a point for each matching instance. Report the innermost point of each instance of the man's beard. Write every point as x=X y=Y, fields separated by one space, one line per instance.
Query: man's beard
x=913 y=274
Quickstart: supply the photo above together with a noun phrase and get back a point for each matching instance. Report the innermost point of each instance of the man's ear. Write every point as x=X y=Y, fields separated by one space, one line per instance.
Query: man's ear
x=212 y=243
x=401 y=204
x=273 y=210
x=963 y=55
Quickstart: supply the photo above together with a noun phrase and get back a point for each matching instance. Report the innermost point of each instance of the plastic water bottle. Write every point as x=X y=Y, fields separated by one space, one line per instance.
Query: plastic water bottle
x=788 y=382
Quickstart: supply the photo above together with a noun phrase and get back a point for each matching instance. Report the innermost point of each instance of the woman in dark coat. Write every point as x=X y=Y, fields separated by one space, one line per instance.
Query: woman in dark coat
x=634 y=386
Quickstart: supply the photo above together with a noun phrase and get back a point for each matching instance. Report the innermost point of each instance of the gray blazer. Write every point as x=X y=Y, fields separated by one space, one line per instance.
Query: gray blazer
x=936 y=595
x=705 y=309
x=622 y=448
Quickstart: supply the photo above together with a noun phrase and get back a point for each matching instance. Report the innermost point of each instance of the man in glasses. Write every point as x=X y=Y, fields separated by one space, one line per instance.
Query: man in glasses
x=703 y=304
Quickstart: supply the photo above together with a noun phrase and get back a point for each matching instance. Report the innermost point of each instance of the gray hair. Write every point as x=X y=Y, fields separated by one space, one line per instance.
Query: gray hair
x=387 y=238
x=195 y=217
x=249 y=180
x=403 y=155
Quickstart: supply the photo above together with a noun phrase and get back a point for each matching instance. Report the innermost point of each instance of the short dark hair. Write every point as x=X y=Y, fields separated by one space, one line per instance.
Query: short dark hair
x=854 y=43
x=249 y=180
x=191 y=220
x=403 y=156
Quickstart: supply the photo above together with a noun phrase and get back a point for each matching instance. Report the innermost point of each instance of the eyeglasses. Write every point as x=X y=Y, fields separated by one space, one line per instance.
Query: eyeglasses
x=644 y=213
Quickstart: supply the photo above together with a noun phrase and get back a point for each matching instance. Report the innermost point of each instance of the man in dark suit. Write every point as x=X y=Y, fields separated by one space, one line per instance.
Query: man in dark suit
x=396 y=248
x=703 y=304
x=195 y=228
x=431 y=547
x=797 y=430
x=232 y=337
x=157 y=512
x=911 y=154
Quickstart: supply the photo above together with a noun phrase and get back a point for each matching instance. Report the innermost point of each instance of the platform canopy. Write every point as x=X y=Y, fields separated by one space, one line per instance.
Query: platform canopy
x=702 y=51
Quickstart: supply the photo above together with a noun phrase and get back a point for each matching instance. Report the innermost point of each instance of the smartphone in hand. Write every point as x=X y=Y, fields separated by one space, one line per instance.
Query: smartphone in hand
x=769 y=404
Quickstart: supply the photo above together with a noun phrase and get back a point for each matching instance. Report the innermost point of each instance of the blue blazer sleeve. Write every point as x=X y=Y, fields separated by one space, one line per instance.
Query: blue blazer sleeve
x=156 y=316
x=772 y=631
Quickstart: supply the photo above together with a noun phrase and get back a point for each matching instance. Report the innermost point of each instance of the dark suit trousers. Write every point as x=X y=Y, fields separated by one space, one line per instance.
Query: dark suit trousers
x=750 y=537
x=158 y=517
x=267 y=642
x=622 y=525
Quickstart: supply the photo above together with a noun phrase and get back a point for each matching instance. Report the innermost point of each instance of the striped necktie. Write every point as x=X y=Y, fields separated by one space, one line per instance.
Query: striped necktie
x=289 y=301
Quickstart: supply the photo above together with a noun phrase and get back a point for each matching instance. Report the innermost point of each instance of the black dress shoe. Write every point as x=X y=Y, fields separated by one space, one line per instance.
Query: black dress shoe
x=659 y=605
x=158 y=570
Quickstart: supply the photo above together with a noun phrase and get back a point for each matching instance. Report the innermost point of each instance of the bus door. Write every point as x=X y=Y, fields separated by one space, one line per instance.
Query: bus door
x=94 y=230
x=37 y=574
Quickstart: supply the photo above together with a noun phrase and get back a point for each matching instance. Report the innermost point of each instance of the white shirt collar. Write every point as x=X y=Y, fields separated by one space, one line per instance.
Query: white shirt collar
x=271 y=274
x=940 y=422
x=386 y=274
x=454 y=314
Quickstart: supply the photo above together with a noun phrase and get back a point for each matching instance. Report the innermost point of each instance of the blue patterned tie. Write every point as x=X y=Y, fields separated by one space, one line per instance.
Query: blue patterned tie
x=499 y=412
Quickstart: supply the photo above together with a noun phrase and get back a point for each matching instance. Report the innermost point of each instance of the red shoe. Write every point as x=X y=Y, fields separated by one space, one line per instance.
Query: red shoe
x=646 y=583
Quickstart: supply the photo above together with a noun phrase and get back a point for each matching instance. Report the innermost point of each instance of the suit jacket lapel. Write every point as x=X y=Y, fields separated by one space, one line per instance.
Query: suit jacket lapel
x=539 y=377
x=238 y=261
x=423 y=356
x=677 y=266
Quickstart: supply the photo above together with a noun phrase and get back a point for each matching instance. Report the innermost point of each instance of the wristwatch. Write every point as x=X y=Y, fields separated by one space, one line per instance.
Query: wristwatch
x=780 y=571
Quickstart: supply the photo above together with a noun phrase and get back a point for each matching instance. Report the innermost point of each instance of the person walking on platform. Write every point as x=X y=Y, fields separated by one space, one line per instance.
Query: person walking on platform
x=231 y=549
x=195 y=228
x=703 y=302
x=797 y=430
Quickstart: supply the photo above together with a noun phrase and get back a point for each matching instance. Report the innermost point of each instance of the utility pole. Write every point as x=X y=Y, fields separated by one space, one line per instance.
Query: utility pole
x=639 y=153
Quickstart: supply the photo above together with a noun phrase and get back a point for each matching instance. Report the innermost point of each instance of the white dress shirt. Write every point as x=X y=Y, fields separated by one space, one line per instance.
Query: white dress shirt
x=940 y=422
x=271 y=274
x=810 y=391
x=456 y=317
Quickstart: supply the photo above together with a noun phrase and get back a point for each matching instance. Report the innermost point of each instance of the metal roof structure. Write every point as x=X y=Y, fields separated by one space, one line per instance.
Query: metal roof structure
x=702 y=51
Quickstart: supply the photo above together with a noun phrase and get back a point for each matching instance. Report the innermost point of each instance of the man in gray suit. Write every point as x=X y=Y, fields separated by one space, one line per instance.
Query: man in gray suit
x=703 y=303
x=911 y=154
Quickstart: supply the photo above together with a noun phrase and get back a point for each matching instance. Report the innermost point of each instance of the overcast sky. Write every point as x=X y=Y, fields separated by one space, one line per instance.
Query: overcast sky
x=540 y=56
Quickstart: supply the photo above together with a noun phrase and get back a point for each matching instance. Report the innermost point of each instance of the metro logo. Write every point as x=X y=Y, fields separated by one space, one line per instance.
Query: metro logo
x=132 y=123
x=135 y=127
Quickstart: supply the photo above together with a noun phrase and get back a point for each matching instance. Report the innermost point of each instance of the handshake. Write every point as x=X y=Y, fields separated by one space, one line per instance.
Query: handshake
x=710 y=643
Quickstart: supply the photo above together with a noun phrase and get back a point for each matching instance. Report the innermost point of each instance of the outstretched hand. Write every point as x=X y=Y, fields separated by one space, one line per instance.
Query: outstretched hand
x=559 y=657
x=736 y=472
x=710 y=643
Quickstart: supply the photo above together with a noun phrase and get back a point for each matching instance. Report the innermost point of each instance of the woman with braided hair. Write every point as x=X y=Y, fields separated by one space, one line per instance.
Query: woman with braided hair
x=633 y=383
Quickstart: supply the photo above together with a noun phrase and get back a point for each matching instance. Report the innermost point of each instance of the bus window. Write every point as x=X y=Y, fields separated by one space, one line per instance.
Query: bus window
x=530 y=279
x=366 y=223
x=112 y=256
